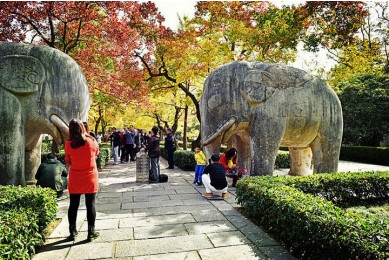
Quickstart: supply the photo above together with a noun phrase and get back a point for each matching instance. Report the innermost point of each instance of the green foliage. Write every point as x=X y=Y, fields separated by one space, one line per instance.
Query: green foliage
x=105 y=154
x=367 y=154
x=24 y=214
x=313 y=226
x=282 y=160
x=365 y=109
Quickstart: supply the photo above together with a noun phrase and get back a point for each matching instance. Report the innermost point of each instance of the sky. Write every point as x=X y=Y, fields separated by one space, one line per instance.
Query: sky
x=170 y=9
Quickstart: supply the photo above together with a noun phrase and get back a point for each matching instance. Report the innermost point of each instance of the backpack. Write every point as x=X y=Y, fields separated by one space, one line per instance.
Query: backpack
x=163 y=177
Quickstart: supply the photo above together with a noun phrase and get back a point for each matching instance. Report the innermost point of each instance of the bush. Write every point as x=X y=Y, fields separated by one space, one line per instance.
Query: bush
x=24 y=214
x=312 y=226
x=185 y=159
x=367 y=154
x=105 y=154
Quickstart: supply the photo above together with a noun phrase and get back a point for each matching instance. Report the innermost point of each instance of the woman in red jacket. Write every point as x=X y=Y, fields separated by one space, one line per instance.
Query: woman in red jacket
x=228 y=160
x=80 y=156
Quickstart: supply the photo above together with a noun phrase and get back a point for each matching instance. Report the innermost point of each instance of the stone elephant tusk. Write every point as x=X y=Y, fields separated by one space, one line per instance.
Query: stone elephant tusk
x=62 y=127
x=220 y=131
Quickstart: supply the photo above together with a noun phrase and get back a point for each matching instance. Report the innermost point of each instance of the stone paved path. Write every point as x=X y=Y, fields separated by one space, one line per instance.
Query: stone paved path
x=160 y=221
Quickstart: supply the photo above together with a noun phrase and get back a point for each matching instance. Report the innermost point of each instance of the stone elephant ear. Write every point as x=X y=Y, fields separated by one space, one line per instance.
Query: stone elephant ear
x=21 y=74
x=258 y=86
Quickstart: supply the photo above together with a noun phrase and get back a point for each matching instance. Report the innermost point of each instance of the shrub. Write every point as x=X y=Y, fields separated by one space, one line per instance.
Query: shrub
x=312 y=226
x=105 y=154
x=24 y=214
x=185 y=159
x=377 y=155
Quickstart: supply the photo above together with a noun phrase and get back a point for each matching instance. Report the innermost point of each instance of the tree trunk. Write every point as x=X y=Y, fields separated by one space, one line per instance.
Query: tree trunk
x=196 y=142
x=184 y=136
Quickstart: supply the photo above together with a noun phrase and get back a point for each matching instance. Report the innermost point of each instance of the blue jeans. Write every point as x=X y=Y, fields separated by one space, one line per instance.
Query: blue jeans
x=198 y=173
x=154 y=169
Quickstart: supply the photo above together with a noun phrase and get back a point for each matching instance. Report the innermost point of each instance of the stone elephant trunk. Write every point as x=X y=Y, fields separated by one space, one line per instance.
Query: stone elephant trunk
x=257 y=107
x=41 y=90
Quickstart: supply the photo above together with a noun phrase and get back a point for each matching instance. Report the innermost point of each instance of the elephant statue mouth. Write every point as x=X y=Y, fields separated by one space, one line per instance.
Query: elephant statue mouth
x=221 y=130
x=62 y=133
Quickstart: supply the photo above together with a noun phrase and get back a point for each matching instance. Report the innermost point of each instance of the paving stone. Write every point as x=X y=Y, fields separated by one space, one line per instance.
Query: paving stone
x=102 y=224
x=91 y=251
x=191 y=209
x=101 y=195
x=186 y=191
x=231 y=238
x=276 y=253
x=106 y=207
x=209 y=227
x=151 y=198
x=53 y=249
x=185 y=196
x=109 y=235
x=160 y=231
x=155 y=211
x=238 y=221
x=257 y=236
x=199 y=201
x=244 y=252
x=136 y=205
x=162 y=245
x=193 y=255
x=114 y=214
x=156 y=220
x=153 y=193
x=208 y=215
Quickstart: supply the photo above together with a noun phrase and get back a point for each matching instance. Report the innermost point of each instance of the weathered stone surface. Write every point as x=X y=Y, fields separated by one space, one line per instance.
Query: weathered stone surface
x=162 y=245
x=156 y=220
x=108 y=235
x=41 y=90
x=91 y=250
x=160 y=231
x=257 y=107
x=231 y=238
x=54 y=249
x=246 y=252
x=172 y=256
x=209 y=227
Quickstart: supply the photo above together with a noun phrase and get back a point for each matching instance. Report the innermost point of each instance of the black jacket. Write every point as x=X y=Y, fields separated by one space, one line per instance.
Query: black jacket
x=217 y=174
x=153 y=147
x=169 y=142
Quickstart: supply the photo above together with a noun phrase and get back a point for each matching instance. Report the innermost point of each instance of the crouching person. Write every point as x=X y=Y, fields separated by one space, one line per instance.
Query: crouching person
x=52 y=174
x=214 y=178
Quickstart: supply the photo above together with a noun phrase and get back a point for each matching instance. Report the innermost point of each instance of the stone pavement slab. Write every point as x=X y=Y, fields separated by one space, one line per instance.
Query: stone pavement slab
x=160 y=221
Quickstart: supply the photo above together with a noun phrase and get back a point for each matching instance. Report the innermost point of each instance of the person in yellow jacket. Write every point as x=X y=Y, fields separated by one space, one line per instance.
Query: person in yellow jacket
x=201 y=162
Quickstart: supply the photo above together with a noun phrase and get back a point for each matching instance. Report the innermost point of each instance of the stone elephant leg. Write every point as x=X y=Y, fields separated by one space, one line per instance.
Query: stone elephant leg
x=33 y=158
x=325 y=155
x=266 y=134
x=11 y=140
x=241 y=143
x=300 y=161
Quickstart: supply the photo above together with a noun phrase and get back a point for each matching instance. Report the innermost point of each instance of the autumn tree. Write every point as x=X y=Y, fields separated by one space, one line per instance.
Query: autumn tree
x=100 y=36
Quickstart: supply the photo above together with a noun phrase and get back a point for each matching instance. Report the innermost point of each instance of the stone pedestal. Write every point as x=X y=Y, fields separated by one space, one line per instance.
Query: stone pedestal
x=142 y=166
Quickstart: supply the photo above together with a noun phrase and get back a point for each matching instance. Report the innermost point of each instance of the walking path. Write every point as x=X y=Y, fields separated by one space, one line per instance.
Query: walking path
x=165 y=221
x=160 y=221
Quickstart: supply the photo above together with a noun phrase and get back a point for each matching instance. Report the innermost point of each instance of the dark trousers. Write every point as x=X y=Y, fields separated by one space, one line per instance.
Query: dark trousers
x=90 y=208
x=130 y=152
x=170 y=158
x=123 y=153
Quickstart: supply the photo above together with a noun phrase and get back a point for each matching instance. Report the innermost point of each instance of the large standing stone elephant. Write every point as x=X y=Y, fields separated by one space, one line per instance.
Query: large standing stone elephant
x=257 y=107
x=41 y=89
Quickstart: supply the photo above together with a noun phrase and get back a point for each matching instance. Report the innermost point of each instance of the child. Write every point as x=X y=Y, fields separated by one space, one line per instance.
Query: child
x=201 y=162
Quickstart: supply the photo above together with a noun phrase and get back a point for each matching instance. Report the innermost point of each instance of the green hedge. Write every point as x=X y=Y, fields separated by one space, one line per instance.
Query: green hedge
x=312 y=226
x=185 y=159
x=105 y=153
x=367 y=154
x=24 y=214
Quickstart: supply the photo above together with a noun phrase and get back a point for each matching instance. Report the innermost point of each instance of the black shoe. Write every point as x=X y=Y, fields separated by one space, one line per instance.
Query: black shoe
x=195 y=182
x=73 y=232
x=92 y=234
x=199 y=183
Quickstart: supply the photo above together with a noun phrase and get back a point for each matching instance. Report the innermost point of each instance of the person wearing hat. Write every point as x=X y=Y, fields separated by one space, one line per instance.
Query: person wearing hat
x=170 y=147
x=214 y=178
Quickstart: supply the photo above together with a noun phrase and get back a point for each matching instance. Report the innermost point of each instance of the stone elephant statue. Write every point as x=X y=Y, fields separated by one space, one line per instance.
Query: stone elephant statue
x=41 y=89
x=257 y=107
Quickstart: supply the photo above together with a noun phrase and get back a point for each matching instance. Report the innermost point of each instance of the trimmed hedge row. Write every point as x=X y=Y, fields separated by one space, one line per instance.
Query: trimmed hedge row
x=185 y=159
x=24 y=214
x=312 y=226
x=367 y=154
x=105 y=153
